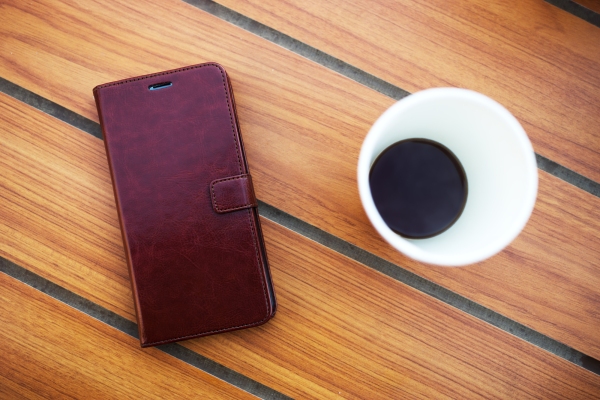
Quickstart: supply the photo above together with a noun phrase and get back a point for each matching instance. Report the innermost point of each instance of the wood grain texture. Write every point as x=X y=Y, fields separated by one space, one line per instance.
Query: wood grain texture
x=342 y=329
x=593 y=5
x=541 y=62
x=302 y=126
x=50 y=350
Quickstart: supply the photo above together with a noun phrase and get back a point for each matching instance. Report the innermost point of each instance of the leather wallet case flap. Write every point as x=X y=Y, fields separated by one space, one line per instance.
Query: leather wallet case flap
x=232 y=193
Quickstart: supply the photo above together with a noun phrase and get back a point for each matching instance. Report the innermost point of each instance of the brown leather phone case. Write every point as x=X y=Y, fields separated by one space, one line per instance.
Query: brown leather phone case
x=186 y=204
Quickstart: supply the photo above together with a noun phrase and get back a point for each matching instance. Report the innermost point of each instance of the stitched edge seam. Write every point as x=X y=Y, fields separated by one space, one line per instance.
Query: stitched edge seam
x=208 y=332
x=258 y=264
x=237 y=208
x=216 y=205
x=237 y=147
x=240 y=167
x=153 y=75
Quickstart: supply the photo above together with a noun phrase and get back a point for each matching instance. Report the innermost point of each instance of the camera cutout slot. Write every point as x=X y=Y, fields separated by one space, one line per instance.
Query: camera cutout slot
x=161 y=85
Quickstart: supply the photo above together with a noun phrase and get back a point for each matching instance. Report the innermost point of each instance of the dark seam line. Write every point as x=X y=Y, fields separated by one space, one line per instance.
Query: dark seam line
x=428 y=287
x=568 y=175
x=298 y=47
x=50 y=108
x=93 y=128
x=577 y=10
x=369 y=259
x=362 y=77
x=130 y=328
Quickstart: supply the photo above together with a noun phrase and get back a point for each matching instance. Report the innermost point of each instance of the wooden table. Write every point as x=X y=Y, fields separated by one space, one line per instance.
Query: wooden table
x=356 y=319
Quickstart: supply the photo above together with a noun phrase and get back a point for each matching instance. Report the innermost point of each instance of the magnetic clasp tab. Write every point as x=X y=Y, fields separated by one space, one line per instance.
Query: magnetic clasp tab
x=232 y=193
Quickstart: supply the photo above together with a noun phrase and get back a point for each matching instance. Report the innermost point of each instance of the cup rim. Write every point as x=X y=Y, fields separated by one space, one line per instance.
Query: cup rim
x=405 y=246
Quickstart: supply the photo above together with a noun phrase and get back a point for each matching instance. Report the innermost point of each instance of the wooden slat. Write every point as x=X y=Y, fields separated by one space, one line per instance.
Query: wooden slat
x=593 y=5
x=303 y=126
x=341 y=329
x=50 y=350
x=541 y=62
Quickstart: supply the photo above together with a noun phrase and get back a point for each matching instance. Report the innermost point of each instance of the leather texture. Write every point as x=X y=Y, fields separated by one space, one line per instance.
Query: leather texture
x=231 y=194
x=186 y=205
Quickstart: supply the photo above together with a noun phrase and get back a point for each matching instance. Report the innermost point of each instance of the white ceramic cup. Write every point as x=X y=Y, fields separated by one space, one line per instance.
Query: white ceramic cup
x=498 y=160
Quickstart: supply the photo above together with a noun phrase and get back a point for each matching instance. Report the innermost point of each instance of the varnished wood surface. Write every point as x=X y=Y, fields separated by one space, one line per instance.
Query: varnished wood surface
x=303 y=126
x=342 y=329
x=593 y=5
x=541 y=62
x=49 y=350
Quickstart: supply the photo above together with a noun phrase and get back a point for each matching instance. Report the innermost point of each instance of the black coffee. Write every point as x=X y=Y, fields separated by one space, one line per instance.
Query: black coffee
x=419 y=188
